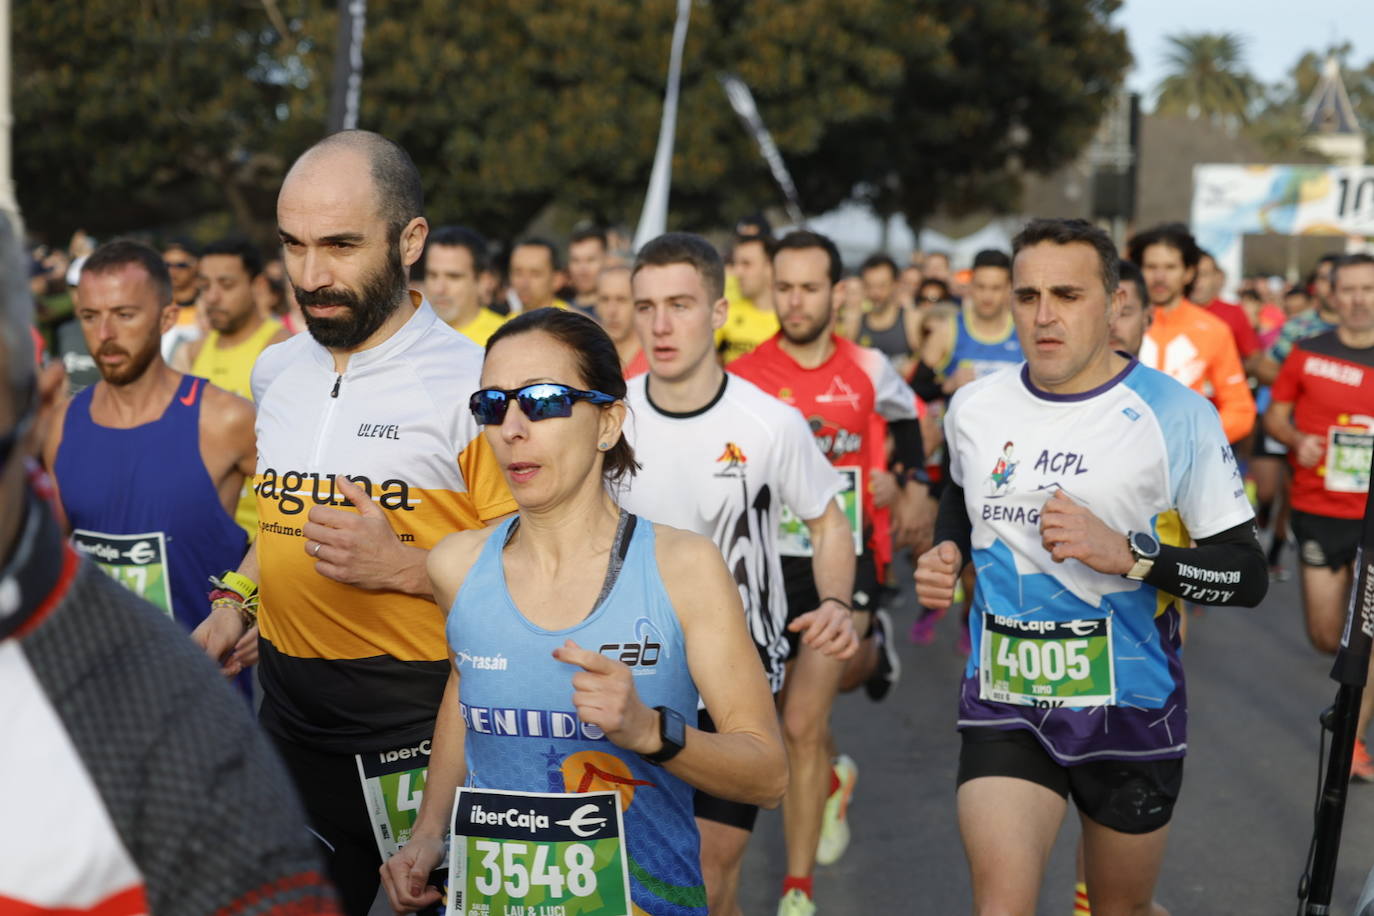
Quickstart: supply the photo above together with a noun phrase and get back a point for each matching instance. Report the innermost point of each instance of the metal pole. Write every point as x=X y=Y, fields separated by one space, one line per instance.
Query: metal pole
x=9 y=204
x=1351 y=671
x=653 y=219
x=346 y=91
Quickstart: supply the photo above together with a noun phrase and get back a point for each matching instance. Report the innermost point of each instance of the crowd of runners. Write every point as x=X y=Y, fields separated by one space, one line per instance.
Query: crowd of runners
x=588 y=519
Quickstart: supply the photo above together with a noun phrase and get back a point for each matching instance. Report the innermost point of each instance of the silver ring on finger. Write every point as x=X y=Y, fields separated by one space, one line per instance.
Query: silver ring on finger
x=316 y=554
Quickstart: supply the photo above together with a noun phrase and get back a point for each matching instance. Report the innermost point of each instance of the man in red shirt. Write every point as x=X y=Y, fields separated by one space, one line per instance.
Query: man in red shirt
x=1323 y=410
x=842 y=389
x=1207 y=291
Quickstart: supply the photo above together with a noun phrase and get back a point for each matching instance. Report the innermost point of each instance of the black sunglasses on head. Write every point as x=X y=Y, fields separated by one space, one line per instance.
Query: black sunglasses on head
x=540 y=401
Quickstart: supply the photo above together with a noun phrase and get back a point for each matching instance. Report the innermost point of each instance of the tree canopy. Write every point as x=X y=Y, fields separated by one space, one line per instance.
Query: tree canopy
x=1208 y=78
x=129 y=119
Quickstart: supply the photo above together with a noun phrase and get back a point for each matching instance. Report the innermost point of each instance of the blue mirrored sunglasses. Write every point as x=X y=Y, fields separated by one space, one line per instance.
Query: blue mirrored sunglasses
x=540 y=401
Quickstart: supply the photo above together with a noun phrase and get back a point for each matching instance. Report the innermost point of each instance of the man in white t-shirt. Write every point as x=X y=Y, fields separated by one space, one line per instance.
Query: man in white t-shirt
x=721 y=457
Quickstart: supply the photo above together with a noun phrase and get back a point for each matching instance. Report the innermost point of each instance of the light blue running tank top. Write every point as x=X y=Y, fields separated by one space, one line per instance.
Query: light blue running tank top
x=522 y=729
x=984 y=357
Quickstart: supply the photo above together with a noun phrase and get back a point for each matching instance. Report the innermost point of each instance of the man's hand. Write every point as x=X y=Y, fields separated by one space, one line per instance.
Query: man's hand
x=1310 y=450
x=245 y=654
x=219 y=633
x=1071 y=532
x=884 y=487
x=355 y=548
x=604 y=695
x=405 y=875
x=829 y=629
x=937 y=574
x=913 y=518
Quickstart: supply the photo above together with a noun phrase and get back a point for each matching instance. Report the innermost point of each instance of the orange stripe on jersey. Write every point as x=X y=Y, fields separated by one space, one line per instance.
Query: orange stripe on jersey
x=486 y=484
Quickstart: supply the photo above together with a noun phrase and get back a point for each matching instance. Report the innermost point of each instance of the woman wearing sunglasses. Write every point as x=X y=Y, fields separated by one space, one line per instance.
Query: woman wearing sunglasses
x=574 y=611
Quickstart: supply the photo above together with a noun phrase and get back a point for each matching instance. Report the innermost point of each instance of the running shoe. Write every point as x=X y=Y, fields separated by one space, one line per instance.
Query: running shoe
x=889 y=669
x=923 y=629
x=795 y=903
x=1361 y=766
x=835 y=818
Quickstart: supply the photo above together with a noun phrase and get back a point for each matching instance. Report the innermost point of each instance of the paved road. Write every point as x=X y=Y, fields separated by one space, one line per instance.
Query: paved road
x=1239 y=836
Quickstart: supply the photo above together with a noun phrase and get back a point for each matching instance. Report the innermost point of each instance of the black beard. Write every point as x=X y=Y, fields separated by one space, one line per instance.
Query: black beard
x=368 y=309
x=811 y=335
x=133 y=370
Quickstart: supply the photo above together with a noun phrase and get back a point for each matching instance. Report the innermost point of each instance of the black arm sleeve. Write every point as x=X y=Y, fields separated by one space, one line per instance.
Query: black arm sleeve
x=952 y=521
x=908 y=449
x=1226 y=568
x=926 y=384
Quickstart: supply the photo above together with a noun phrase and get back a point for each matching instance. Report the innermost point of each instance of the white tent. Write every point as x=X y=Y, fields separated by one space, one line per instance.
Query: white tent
x=858 y=233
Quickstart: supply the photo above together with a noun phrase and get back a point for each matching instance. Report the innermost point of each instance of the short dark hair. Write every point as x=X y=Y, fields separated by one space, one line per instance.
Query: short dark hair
x=241 y=248
x=1350 y=260
x=801 y=239
x=1328 y=258
x=934 y=281
x=875 y=261
x=1172 y=235
x=1297 y=289
x=181 y=243
x=597 y=363
x=685 y=248
x=763 y=239
x=589 y=233
x=1129 y=273
x=992 y=257
x=535 y=241
x=757 y=221
x=462 y=237
x=122 y=252
x=400 y=193
x=1067 y=232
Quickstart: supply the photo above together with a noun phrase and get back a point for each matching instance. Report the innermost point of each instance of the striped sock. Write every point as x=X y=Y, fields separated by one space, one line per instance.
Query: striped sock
x=1080 y=900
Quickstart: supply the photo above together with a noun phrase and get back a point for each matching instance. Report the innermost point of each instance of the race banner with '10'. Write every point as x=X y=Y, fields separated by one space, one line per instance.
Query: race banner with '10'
x=538 y=854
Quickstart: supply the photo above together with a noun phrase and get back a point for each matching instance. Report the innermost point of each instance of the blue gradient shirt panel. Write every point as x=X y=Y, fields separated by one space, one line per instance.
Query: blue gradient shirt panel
x=1143 y=453
x=523 y=732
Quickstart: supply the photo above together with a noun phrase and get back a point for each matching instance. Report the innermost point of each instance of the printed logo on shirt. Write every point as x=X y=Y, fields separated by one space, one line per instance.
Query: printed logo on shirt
x=643 y=653
x=511 y=722
x=734 y=459
x=379 y=431
x=1341 y=373
x=999 y=481
x=839 y=393
x=496 y=662
x=291 y=489
x=834 y=442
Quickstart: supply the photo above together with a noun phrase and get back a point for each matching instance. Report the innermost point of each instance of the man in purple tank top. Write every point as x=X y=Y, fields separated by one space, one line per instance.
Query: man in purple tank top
x=148 y=461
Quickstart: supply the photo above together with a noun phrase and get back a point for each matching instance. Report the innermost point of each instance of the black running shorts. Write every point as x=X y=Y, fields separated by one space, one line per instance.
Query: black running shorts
x=1325 y=541
x=1129 y=796
x=801 y=592
x=709 y=808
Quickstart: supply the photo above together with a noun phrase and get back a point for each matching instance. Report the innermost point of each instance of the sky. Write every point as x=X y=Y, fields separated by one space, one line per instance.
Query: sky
x=1275 y=35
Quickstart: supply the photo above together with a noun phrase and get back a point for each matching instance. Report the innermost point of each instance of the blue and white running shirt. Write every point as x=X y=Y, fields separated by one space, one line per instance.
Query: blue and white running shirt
x=1087 y=661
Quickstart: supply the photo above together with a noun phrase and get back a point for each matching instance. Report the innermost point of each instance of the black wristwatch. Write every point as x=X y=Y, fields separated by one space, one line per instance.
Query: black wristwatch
x=1145 y=550
x=672 y=731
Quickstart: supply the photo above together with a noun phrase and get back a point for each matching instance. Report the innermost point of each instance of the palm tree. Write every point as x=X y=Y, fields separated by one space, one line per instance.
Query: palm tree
x=1207 y=79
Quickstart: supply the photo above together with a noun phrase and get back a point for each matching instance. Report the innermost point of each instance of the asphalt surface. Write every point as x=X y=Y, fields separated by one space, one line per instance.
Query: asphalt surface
x=1241 y=831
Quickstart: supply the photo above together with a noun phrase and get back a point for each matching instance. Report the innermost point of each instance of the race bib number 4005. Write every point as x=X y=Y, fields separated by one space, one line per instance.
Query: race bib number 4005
x=538 y=854
x=1047 y=663
x=136 y=561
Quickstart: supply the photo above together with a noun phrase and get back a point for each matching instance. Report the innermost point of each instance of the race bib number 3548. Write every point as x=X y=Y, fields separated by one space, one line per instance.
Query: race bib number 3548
x=538 y=854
